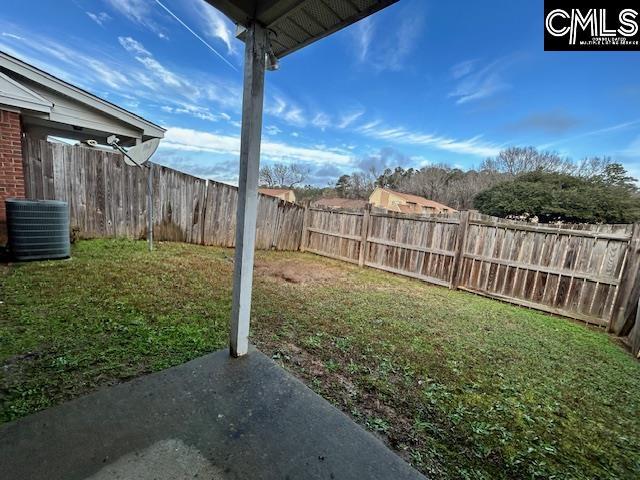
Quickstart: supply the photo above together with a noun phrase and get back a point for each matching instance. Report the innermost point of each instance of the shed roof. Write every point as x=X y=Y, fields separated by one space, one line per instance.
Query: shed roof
x=60 y=108
x=294 y=24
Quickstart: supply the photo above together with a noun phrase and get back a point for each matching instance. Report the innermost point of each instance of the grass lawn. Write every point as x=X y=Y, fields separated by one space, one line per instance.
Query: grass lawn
x=461 y=386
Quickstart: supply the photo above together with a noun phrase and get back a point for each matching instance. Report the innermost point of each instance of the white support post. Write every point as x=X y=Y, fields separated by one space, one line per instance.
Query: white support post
x=252 y=102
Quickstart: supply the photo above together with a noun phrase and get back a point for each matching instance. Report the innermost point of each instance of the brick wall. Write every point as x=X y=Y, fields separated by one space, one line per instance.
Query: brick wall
x=11 y=173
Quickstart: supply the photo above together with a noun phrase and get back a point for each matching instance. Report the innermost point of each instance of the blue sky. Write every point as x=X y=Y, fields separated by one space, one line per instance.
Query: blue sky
x=420 y=82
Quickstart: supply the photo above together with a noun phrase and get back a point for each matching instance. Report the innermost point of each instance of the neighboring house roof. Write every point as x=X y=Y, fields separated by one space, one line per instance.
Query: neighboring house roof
x=274 y=192
x=337 y=202
x=55 y=107
x=420 y=200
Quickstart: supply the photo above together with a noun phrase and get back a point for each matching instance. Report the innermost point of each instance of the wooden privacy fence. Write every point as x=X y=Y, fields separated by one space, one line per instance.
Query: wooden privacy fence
x=587 y=272
x=109 y=199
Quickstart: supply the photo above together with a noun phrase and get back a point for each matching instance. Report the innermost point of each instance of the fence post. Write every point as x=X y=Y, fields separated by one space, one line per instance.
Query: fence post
x=150 y=205
x=203 y=212
x=634 y=335
x=280 y=206
x=456 y=268
x=622 y=313
x=305 y=227
x=365 y=235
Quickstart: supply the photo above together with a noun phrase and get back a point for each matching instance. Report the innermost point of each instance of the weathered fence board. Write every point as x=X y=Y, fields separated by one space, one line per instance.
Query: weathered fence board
x=587 y=272
x=109 y=199
x=334 y=234
x=634 y=335
x=573 y=270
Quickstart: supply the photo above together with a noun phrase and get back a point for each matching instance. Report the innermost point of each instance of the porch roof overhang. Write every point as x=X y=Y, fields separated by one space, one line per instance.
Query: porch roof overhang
x=51 y=106
x=294 y=24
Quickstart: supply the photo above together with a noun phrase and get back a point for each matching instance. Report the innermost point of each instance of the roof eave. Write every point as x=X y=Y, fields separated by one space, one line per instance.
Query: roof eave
x=270 y=12
x=339 y=26
x=149 y=129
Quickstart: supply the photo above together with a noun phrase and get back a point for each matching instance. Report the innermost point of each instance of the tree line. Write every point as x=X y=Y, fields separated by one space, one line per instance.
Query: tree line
x=519 y=182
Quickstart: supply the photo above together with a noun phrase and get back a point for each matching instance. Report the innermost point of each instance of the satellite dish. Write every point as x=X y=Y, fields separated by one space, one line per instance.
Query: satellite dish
x=141 y=153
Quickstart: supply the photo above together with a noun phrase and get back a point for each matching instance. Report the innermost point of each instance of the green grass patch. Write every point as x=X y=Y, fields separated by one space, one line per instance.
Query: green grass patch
x=461 y=386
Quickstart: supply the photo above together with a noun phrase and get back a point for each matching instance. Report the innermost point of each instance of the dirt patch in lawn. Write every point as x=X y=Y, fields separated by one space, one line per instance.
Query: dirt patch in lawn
x=297 y=272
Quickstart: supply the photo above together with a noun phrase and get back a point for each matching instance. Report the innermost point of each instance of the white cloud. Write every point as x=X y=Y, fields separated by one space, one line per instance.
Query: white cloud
x=348 y=118
x=167 y=76
x=100 y=18
x=139 y=76
x=197 y=141
x=599 y=131
x=321 y=120
x=202 y=113
x=370 y=125
x=140 y=12
x=471 y=146
x=33 y=50
x=295 y=116
x=192 y=32
x=227 y=95
x=137 y=10
x=216 y=25
x=133 y=46
x=363 y=35
x=475 y=84
x=157 y=70
x=272 y=130
x=388 y=50
x=32 y=59
x=108 y=75
x=286 y=111
x=12 y=35
x=461 y=69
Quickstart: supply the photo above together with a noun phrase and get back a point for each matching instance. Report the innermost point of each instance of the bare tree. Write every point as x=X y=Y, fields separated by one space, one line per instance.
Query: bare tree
x=362 y=184
x=592 y=167
x=283 y=175
x=357 y=185
x=516 y=160
x=452 y=187
x=457 y=188
x=429 y=182
x=266 y=177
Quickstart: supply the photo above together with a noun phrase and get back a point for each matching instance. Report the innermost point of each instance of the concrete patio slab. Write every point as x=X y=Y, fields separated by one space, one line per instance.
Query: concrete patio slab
x=212 y=418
